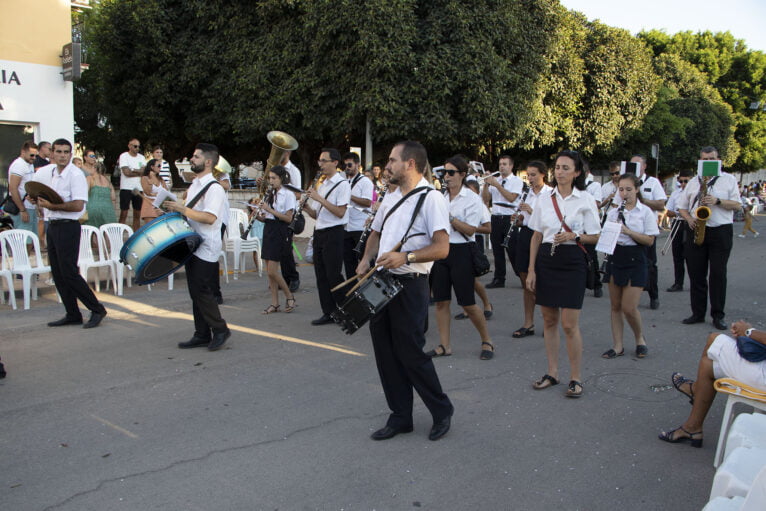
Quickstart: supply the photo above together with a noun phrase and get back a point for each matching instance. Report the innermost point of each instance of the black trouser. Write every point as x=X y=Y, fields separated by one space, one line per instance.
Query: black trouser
x=594 y=260
x=328 y=263
x=678 y=255
x=287 y=263
x=201 y=278
x=713 y=254
x=398 y=338
x=651 y=255
x=217 y=289
x=63 y=250
x=351 y=258
x=500 y=224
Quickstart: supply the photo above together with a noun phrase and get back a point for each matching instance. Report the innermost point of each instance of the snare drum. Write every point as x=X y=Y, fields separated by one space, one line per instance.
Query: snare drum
x=160 y=247
x=366 y=301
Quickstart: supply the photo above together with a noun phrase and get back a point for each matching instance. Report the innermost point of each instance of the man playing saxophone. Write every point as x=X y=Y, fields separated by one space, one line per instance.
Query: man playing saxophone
x=706 y=262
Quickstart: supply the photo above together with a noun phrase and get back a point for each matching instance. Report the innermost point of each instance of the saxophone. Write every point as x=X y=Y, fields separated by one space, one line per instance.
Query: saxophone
x=702 y=214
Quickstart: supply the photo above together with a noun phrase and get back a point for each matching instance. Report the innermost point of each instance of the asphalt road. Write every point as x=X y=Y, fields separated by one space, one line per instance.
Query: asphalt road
x=118 y=418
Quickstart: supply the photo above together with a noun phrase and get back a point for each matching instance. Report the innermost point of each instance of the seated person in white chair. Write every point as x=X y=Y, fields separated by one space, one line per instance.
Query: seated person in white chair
x=721 y=358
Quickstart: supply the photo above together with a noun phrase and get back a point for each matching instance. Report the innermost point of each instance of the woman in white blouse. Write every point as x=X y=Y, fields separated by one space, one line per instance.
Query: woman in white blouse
x=456 y=271
x=627 y=270
x=277 y=213
x=557 y=264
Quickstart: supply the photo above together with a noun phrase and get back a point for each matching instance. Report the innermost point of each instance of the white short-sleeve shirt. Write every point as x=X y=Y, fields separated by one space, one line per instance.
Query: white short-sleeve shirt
x=466 y=207
x=433 y=217
x=578 y=209
x=593 y=188
x=295 y=174
x=361 y=187
x=136 y=162
x=26 y=171
x=640 y=219
x=212 y=202
x=340 y=196
x=651 y=188
x=70 y=184
x=284 y=201
x=724 y=187
x=500 y=206
x=532 y=200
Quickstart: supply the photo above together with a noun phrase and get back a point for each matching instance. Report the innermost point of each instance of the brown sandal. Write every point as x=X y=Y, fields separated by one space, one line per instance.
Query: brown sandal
x=290 y=307
x=271 y=309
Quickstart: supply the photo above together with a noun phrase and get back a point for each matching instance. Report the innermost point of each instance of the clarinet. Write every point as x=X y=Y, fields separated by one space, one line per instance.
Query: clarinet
x=303 y=202
x=368 y=224
x=620 y=211
x=256 y=212
x=515 y=218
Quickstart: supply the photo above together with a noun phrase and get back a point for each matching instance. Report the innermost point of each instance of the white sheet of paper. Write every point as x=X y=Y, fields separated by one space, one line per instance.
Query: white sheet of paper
x=162 y=196
x=608 y=239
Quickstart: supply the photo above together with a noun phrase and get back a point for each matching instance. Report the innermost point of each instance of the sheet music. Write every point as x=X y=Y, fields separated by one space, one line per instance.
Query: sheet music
x=162 y=196
x=608 y=239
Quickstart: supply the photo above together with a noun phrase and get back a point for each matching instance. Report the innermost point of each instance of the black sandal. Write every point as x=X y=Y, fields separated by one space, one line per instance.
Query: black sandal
x=271 y=309
x=524 y=331
x=487 y=354
x=289 y=307
x=668 y=437
x=433 y=353
x=642 y=350
x=572 y=389
x=678 y=380
x=546 y=381
x=609 y=354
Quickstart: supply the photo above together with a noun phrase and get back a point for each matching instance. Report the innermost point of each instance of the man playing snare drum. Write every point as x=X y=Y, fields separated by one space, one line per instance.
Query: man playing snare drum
x=202 y=209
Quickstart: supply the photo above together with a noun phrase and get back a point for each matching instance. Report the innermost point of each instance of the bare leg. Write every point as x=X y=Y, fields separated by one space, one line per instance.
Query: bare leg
x=136 y=219
x=277 y=282
x=479 y=288
x=479 y=321
x=124 y=216
x=551 y=335
x=529 y=302
x=630 y=298
x=615 y=300
x=442 y=323
x=570 y=324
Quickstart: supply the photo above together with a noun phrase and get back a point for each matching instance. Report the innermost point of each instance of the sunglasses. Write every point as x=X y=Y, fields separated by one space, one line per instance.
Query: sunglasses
x=682 y=181
x=91 y=156
x=451 y=172
x=614 y=173
x=323 y=161
x=135 y=146
x=349 y=165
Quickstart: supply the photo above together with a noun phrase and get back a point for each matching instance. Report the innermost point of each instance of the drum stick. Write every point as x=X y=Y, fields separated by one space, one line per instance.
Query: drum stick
x=369 y=273
x=345 y=282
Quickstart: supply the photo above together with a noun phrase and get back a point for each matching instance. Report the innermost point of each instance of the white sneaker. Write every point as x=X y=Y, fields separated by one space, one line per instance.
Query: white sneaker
x=740 y=235
x=49 y=282
x=756 y=235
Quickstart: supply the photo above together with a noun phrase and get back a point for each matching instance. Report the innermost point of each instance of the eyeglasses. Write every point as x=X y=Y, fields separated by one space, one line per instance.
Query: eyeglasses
x=320 y=161
x=90 y=156
x=135 y=146
x=614 y=173
x=348 y=165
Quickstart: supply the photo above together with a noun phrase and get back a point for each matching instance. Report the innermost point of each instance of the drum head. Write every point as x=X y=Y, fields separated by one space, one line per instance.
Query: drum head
x=169 y=260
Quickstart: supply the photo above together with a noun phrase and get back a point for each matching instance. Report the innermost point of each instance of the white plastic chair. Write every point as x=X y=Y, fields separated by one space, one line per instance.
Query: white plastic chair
x=88 y=259
x=17 y=261
x=736 y=475
x=114 y=236
x=239 y=247
x=8 y=276
x=747 y=430
x=738 y=392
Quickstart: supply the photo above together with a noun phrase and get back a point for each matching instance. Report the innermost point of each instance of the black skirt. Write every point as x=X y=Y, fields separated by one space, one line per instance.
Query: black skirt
x=629 y=266
x=276 y=240
x=561 y=277
x=521 y=261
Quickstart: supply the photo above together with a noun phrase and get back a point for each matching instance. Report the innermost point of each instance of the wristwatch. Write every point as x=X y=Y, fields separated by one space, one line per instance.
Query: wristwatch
x=718 y=202
x=411 y=257
x=749 y=332
x=577 y=238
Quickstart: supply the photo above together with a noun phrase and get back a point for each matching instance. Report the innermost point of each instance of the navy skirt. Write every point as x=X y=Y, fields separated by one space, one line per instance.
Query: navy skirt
x=628 y=265
x=561 y=277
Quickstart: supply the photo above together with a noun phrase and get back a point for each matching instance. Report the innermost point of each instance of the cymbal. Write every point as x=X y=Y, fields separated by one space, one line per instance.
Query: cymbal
x=36 y=189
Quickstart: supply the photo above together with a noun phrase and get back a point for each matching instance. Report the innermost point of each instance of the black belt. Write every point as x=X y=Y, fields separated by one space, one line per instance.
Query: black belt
x=339 y=226
x=409 y=276
x=62 y=221
x=500 y=215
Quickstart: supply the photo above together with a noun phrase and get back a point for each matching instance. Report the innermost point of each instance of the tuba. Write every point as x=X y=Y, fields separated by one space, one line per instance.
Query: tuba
x=280 y=142
x=702 y=213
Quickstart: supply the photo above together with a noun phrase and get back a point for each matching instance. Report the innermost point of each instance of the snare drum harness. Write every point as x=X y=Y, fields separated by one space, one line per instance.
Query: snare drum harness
x=415 y=212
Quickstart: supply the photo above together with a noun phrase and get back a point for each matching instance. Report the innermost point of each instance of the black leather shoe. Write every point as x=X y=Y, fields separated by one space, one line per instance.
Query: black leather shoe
x=720 y=324
x=692 y=319
x=324 y=320
x=387 y=432
x=598 y=292
x=65 y=321
x=194 y=342
x=219 y=340
x=675 y=288
x=219 y=300
x=654 y=304
x=294 y=285
x=95 y=319
x=440 y=428
x=495 y=284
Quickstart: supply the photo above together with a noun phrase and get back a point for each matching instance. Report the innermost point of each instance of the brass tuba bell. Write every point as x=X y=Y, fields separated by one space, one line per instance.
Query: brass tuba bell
x=281 y=142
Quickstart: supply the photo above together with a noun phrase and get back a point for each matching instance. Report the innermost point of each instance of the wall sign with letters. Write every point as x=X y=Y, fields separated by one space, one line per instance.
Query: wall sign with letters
x=9 y=77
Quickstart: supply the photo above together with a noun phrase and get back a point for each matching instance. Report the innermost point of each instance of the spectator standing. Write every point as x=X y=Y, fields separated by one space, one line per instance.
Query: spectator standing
x=131 y=163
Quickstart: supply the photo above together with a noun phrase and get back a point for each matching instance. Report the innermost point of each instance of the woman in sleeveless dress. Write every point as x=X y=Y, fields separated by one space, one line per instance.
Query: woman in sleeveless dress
x=101 y=195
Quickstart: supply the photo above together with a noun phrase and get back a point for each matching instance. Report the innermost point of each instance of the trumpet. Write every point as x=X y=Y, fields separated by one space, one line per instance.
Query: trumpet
x=368 y=224
x=515 y=217
x=482 y=179
x=675 y=228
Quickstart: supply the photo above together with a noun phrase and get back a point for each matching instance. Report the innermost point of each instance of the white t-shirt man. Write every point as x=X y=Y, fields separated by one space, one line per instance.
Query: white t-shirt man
x=136 y=162
x=26 y=171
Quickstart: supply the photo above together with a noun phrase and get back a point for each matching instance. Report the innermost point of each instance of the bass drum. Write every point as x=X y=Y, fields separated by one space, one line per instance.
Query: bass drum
x=160 y=247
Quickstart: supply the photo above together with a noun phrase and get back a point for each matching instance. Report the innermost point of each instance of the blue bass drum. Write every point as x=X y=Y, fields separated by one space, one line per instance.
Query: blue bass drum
x=160 y=247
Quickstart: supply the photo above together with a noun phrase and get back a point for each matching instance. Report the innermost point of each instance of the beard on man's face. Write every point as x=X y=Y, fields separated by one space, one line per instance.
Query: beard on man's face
x=196 y=169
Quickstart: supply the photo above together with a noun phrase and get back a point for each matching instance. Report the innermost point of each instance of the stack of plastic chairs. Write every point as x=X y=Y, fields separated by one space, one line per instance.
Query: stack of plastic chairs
x=237 y=246
x=16 y=260
x=114 y=236
x=88 y=259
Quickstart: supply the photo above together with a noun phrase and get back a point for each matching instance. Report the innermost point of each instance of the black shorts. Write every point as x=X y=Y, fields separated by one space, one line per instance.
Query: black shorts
x=454 y=272
x=127 y=197
x=629 y=266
